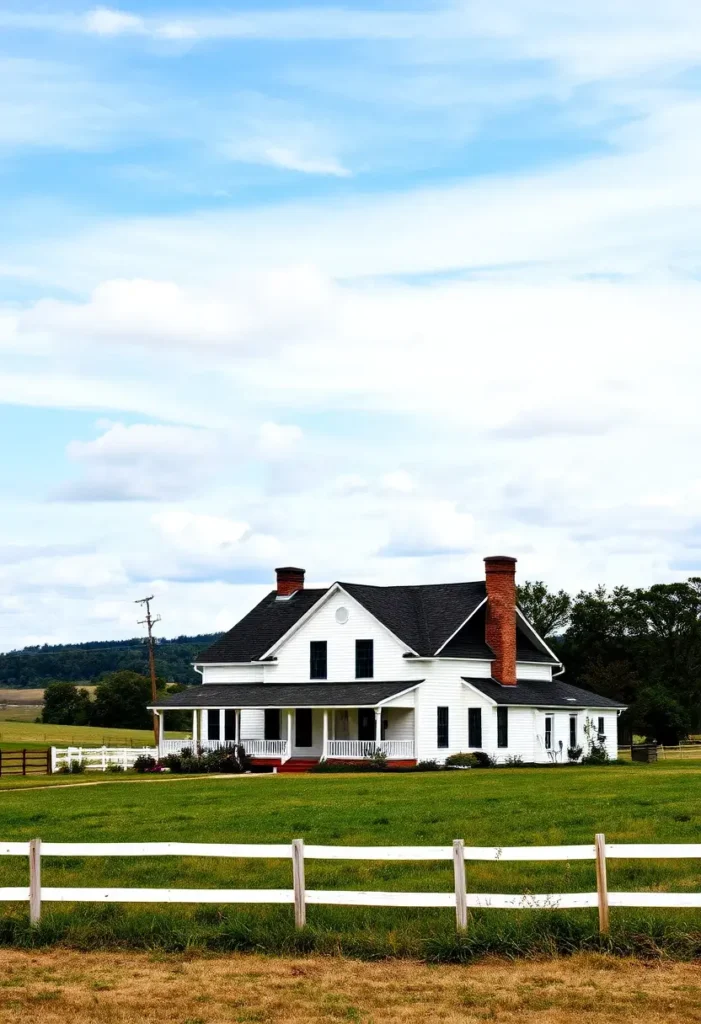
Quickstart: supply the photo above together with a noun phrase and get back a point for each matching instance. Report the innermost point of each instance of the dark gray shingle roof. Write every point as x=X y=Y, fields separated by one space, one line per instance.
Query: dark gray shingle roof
x=260 y=628
x=542 y=693
x=286 y=695
x=423 y=616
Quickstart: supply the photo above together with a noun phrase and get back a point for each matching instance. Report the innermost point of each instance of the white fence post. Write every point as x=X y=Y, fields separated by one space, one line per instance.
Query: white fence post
x=460 y=892
x=298 y=882
x=34 y=881
x=53 y=760
x=601 y=885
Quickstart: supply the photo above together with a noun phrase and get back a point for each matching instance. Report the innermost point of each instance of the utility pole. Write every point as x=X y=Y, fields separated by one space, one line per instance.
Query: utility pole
x=149 y=622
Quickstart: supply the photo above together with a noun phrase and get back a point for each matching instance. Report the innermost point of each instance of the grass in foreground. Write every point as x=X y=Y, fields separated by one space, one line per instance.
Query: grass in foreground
x=635 y=803
x=85 y=988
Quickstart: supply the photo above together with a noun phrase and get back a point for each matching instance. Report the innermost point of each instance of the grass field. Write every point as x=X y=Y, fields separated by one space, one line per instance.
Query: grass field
x=633 y=803
x=133 y=988
x=14 y=735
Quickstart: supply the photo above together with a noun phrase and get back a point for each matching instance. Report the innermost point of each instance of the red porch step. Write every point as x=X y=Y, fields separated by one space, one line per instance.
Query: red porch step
x=295 y=765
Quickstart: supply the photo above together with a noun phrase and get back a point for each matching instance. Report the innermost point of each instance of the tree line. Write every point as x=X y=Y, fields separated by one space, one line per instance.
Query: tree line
x=119 y=702
x=641 y=646
x=36 y=667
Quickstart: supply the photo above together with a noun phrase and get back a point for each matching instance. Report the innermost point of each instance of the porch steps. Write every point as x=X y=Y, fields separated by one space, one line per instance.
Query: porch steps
x=295 y=765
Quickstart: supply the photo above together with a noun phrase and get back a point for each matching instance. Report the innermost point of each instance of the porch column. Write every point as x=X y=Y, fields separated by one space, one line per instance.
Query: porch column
x=194 y=732
x=325 y=735
x=289 y=734
x=237 y=727
x=222 y=726
x=159 y=717
x=378 y=727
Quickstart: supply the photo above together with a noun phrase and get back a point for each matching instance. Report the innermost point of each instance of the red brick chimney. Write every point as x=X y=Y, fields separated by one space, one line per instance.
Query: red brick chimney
x=500 y=628
x=289 y=580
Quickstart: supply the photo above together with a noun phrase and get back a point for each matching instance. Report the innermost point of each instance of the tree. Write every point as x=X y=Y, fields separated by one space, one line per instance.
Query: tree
x=658 y=716
x=548 y=612
x=66 y=704
x=120 y=701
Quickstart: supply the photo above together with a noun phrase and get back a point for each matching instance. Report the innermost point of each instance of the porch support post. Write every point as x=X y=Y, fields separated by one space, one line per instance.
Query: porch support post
x=289 y=734
x=159 y=748
x=325 y=736
x=237 y=732
x=378 y=727
x=194 y=732
x=222 y=725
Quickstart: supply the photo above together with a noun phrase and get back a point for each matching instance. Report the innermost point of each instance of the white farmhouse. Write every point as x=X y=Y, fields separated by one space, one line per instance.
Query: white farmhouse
x=419 y=672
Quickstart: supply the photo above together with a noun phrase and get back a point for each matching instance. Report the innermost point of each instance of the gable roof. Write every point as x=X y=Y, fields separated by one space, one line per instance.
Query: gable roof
x=424 y=616
x=540 y=693
x=260 y=628
x=469 y=642
x=287 y=695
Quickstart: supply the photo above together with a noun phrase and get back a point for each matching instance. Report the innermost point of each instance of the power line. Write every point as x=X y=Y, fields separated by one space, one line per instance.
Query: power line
x=149 y=622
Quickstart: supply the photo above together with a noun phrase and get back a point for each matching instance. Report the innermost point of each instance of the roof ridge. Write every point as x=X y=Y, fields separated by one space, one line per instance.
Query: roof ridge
x=408 y=586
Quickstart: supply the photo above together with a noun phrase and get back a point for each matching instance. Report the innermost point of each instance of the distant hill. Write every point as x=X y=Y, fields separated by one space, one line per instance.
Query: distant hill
x=82 y=663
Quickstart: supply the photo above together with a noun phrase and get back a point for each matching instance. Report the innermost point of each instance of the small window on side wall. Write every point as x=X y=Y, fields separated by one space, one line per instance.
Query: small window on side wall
x=442 y=723
x=573 y=730
x=364 y=659
x=474 y=727
x=502 y=727
x=601 y=729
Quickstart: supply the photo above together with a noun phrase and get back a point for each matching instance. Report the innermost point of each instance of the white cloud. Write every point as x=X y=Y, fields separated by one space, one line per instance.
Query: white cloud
x=276 y=440
x=428 y=528
x=213 y=546
x=399 y=481
x=104 y=21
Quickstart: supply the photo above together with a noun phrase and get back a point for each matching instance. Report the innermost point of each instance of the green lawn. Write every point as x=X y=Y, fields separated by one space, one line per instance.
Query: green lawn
x=632 y=803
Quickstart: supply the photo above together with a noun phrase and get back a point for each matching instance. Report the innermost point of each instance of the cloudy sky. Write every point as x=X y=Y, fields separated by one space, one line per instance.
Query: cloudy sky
x=374 y=289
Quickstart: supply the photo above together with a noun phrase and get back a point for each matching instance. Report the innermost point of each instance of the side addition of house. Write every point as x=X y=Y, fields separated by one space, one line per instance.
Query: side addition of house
x=418 y=672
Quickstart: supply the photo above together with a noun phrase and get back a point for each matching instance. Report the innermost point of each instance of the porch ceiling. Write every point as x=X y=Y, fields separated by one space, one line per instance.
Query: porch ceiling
x=287 y=695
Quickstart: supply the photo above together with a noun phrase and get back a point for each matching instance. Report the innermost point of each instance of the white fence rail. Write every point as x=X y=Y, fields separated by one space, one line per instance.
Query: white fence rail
x=366 y=748
x=460 y=899
x=98 y=759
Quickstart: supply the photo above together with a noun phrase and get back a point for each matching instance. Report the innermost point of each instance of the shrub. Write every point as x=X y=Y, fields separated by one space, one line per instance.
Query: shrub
x=461 y=761
x=514 y=761
x=144 y=763
x=484 y=760
x=427 y=766
x=378 y=760
x=574 y=753
x=115 y=768
x=226 y=760
x=74 y=768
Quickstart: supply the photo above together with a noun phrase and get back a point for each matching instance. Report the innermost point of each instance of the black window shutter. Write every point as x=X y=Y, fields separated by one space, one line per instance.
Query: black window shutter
x=474 y=727
x=317 y=659
x=364 y=659
x=442 y=722
x=502 y=727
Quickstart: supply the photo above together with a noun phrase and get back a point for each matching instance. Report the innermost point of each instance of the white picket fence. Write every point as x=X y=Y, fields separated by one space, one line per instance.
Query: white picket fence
x=460 y=899
x=98 y=759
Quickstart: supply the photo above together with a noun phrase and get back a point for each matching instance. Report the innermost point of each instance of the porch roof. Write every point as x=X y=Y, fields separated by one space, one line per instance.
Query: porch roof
x=542 y=693
x=286 y=695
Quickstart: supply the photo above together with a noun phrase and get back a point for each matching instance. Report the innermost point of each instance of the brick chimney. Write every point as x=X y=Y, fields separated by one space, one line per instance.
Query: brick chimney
x=500 y=627
x=289 y=580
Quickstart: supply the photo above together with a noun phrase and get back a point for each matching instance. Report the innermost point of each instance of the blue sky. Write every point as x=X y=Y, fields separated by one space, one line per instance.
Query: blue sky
x=376 y=289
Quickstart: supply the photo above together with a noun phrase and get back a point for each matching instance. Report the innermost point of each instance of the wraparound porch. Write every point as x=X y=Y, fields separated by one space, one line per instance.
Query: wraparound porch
x=303 y=733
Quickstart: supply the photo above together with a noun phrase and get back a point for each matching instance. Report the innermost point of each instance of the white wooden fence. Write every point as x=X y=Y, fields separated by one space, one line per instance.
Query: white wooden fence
x=98 y=759
x=460 y=899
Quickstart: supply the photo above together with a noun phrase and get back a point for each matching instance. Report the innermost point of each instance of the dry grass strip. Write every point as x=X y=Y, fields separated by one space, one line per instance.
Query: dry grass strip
x=125 y=988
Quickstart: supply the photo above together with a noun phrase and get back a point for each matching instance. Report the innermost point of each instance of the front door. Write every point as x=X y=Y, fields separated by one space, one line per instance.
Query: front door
x=366 y=724
x=303 y=727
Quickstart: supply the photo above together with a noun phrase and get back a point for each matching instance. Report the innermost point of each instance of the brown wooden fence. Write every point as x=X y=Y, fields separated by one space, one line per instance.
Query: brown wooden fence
x=25 y=762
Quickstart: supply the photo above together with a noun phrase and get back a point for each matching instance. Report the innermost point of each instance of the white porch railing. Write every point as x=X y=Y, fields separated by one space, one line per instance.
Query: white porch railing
x=255 y=748
x=366 y=748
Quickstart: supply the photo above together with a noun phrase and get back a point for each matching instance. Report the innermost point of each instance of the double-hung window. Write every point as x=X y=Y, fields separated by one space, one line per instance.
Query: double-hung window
x=573 y=730
x=317 y=659
x=364 y=659
x=474 y=727
x=548 y=732
x=601 y=731
x=442 y=725
x=502 y=727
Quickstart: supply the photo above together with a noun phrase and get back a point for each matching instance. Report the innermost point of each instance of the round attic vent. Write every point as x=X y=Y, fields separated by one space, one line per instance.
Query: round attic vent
x=342 y=615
